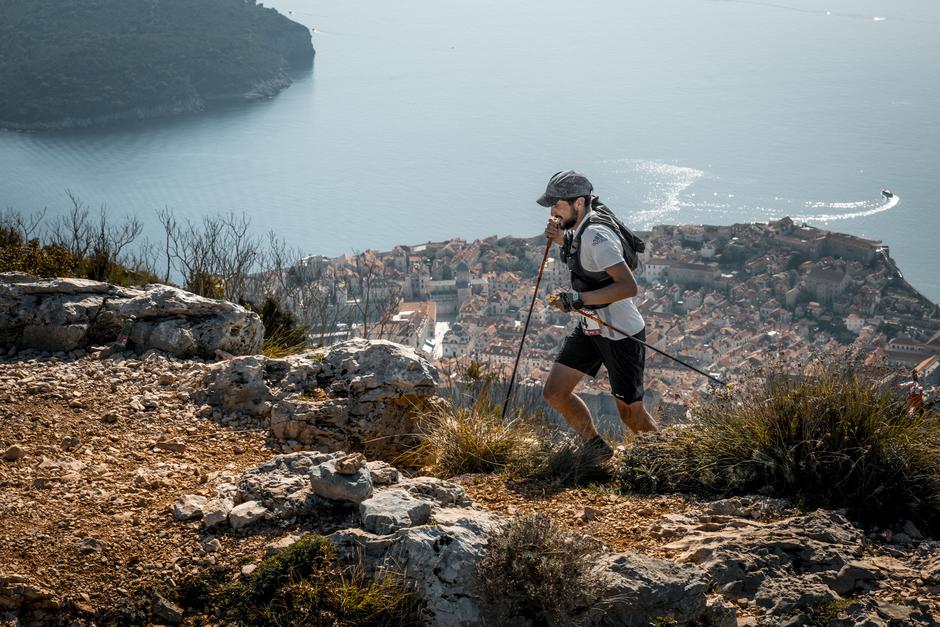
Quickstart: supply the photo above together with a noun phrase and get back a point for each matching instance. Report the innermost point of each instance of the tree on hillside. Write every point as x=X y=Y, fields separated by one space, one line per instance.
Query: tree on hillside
x=378 y=294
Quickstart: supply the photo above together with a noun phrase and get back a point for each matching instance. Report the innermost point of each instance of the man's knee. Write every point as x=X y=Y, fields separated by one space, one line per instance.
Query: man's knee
x=560 y=384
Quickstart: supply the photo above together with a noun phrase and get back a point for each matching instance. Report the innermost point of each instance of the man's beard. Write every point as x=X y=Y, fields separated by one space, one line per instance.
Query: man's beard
x=570 y=222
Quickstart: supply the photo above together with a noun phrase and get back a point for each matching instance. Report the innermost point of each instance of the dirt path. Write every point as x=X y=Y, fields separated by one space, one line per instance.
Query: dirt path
x=624 y=523
x=100 y=450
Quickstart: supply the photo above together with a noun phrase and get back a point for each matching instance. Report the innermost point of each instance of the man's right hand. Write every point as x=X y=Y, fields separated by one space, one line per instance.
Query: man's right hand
x=554 y=232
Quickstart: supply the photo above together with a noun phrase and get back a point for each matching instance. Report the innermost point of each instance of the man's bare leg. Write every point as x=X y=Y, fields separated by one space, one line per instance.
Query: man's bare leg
x=635 y=416
x=559 y=392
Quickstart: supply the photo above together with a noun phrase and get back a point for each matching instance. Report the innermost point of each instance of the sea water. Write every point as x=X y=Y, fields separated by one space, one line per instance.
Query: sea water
x=425 y=120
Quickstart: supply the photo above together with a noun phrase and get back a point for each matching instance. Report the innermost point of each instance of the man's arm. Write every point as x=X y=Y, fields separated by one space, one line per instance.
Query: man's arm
x=624 y=286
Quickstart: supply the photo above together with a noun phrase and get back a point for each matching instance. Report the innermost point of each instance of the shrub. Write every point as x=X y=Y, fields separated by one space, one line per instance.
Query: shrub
x=670 y=460
x=283 y=333
x=30 y=257
x=468 y=434
x=303 y=585
x=828 y=438
x=534 y=568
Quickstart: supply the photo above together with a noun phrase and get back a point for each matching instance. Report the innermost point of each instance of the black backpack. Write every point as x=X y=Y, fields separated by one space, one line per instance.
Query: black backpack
x=632 y=244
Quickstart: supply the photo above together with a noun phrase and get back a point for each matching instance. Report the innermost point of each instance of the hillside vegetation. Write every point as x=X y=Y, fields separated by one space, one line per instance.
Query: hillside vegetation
x=67 y=62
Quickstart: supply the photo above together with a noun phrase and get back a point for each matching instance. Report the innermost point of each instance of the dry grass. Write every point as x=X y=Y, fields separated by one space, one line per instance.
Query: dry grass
x=470 y=439
x=462 y=436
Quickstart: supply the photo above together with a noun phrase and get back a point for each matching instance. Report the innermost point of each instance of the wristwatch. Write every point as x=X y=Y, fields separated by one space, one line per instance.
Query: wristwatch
x=576 y=301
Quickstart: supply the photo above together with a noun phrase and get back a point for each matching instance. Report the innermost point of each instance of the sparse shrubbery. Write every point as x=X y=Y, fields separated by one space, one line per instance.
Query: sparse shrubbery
x=76 y=244
x=534 y=568
x=829 y=438
x=31 y=257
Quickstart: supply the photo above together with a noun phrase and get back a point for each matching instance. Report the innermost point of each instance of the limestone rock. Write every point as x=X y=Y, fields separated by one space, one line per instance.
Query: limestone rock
x=166 y=610
x=782 y=566
x=273 y=548
x=189 y=507
x=87 y=546
x=350 y=464
x=720 y=613
x=238 y=385
x=375 y=369
x=14 y=453
x=173 y=447
x=328 y=483
x=247 y=514
x=781 y=597
x=382 y=473
x=640 y=589
x=853 y=575
x=391 y=510
x=282 y=484
x=215 y=512
x=65 y=314
x=17 y=592
x=443 y=493
x=361 y=395
x=441 y=559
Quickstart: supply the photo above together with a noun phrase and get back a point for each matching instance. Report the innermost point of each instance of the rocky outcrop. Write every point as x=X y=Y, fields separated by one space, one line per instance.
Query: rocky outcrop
x=19 y=595
x=361 y=395
x=426 y=529
x=67 y=314
x=791 y=566
x=639 y=589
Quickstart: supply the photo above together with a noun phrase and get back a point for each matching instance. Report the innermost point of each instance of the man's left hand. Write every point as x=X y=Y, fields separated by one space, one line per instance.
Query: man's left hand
x=563 y=301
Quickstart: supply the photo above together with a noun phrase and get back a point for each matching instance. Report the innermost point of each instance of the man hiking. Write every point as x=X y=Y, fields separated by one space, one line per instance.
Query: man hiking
x=602 y=282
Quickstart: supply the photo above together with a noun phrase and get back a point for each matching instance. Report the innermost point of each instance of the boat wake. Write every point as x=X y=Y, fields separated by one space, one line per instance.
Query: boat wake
x=665 y=184
x=863 y=208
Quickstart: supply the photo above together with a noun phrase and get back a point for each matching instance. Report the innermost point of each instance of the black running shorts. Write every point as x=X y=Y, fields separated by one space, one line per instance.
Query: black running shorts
x=624 y=360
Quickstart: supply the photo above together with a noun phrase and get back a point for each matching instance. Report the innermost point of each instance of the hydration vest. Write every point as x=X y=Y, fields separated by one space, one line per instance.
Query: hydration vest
x=583 y=280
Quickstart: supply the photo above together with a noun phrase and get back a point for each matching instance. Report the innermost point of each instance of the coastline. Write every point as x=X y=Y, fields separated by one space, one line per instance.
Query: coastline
x=260 y=90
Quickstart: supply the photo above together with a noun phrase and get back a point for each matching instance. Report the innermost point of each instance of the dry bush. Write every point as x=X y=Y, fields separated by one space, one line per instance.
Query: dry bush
x=535 y=569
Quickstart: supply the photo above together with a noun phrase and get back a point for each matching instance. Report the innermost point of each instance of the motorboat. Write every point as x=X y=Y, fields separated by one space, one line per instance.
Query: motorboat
x=887 y=194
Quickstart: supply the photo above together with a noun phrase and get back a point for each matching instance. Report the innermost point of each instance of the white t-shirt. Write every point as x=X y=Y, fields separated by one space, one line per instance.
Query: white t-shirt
x=601 y=249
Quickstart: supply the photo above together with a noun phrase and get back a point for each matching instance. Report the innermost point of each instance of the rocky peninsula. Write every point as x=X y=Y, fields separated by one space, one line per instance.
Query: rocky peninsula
x=77 y=64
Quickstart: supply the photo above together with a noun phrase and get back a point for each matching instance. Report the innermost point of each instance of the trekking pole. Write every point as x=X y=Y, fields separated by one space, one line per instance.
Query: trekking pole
x=663 y=353
x=525 y=330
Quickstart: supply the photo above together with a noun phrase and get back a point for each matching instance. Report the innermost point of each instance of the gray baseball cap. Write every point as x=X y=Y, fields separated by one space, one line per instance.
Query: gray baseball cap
x=565 y=184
